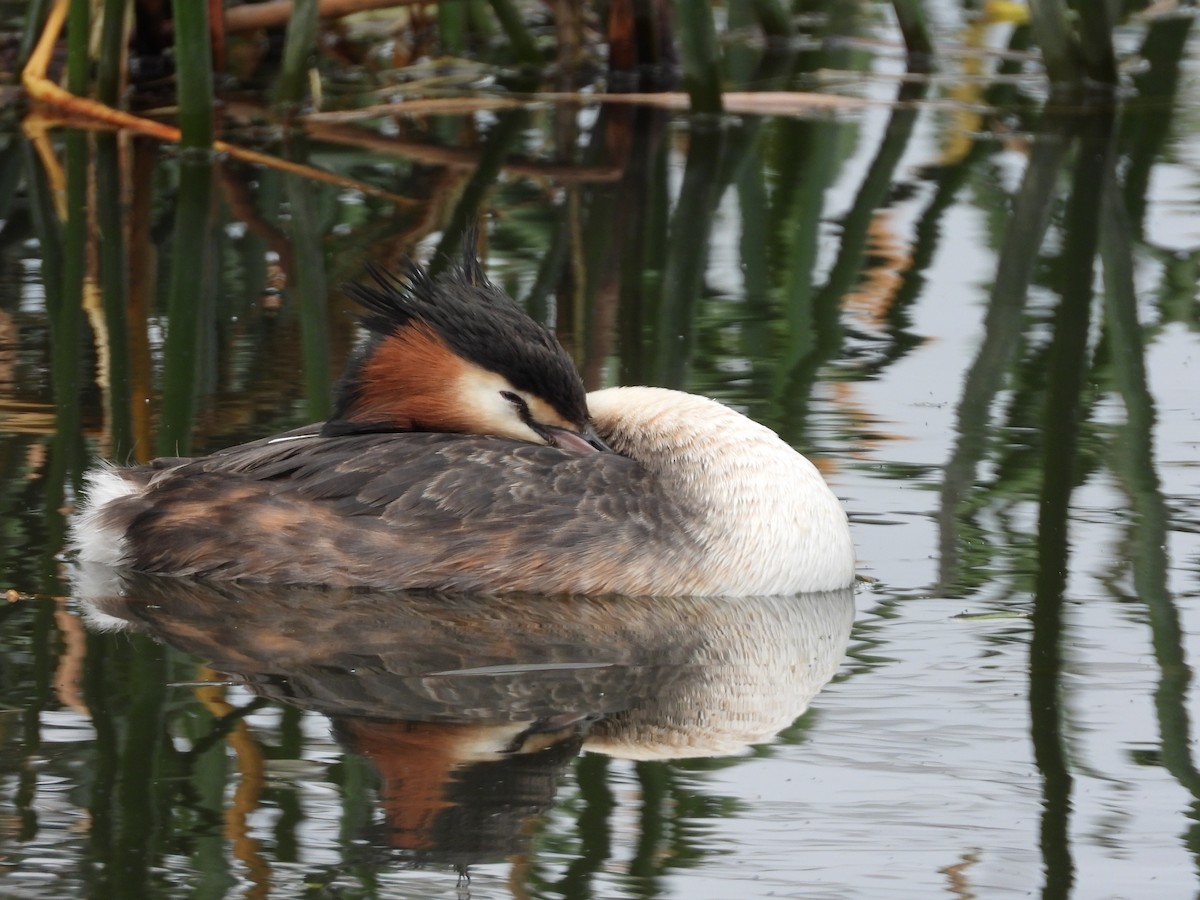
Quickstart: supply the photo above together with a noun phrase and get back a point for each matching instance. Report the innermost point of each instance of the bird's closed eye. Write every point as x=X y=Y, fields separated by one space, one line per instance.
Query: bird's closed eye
x=518 y=401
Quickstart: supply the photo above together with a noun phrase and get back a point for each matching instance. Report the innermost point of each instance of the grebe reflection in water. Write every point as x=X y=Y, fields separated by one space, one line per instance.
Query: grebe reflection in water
x=464 y=454
x=470 y=706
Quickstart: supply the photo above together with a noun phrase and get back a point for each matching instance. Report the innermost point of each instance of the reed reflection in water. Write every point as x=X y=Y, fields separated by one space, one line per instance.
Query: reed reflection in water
x=469 y=708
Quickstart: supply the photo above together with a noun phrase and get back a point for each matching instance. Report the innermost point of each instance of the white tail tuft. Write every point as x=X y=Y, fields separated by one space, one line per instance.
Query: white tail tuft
x=91 y=536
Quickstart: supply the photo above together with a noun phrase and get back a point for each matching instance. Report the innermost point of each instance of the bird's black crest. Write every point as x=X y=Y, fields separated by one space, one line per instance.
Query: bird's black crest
x=477 y=320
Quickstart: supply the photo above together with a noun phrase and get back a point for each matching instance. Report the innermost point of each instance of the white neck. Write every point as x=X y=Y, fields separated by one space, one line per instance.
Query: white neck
x=767 y=521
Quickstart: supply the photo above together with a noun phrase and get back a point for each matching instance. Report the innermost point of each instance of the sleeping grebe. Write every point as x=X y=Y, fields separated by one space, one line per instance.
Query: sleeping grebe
x=464 y=454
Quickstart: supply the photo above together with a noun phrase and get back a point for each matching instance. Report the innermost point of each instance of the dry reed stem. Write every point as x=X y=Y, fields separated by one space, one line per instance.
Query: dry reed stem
x=774 y=103
x=463 y=159
x=277 y=12
x=43 y=91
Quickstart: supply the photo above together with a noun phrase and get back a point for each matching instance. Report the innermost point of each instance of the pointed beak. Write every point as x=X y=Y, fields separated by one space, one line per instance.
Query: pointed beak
x=593 y=439
x=586 y=440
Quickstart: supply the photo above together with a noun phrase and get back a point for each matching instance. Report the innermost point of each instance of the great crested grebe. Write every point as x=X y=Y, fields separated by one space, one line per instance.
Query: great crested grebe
x=464 y=454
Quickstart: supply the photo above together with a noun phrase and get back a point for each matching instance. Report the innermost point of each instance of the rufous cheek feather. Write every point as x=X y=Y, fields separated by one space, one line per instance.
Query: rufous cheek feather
x=403 y=383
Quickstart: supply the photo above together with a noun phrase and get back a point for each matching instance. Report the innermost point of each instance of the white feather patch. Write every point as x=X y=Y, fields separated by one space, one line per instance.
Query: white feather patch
x=95 y=541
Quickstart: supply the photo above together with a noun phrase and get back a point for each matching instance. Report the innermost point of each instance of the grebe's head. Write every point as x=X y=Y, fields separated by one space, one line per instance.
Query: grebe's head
x=455 y=354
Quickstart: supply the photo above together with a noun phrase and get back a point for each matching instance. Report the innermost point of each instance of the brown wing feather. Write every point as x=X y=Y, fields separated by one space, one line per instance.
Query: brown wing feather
x=408 y=510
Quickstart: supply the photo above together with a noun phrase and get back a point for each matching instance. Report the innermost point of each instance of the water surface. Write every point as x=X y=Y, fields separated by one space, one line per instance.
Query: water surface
x=978 y=314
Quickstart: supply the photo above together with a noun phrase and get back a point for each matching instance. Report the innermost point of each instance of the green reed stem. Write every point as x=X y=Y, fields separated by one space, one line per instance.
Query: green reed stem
x=1136 y=466
x=191 y=275
x=208 y=780
x=452 y=27
x=312 y=294
x=114 y=289
x=65 y=313
x=773 y=18
x=1066 y=367
x=1052 y=29
x=35 y=19
x=910 y=14
x=1097 y=18
x=297 y=53
x=98 y=687
x=1147 y=124
x=1015 y=268
x=110 y=65
x=11 y=167
x=194 y=75
x=140 y=765
x=871 y=197
x=79 y=24
x=523 y=46
x=701 y=58
x=480 y=20
x=501 y=139
x=683 y=276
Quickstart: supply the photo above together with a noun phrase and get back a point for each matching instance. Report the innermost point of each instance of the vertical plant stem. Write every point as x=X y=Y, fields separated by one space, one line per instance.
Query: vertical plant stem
x=194 y=74
x=1147 y=123
x=209 y=781
x=568 y=20
x=1066 y=369
x=1002 y=335
x=356 y=779
x=297 y=51
x=652 y=253
x=97 y=689
x=500 y=140
x=310 y=286
x=10 y=175
x=216 y=22
x=524 y=48
x=756 y=272
x=42 y=638
x=683 y=276
x=622 y=41
x=652 y=849
x=910 y=14
x=549 y=270
x=141 y=270
x=871 y=196
x=35 y=20
x=452 y=27
x=593 y=824
x=191 y=276
x=589 y=268
x=1150 y=528
x=797 y=205
x=79 y=25
x=1096 y=22
x=1052 y=29
x=740 y=58
x=701 y=58
x=141 y=761
x=773 y=18
x=637 y=220
x=114 y=288
x=47 y=228
x=111 y=63
x=480 y=20
x=66 y=329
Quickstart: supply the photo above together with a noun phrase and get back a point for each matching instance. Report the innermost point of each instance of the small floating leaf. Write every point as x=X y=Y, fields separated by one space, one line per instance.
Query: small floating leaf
x=1001 y=614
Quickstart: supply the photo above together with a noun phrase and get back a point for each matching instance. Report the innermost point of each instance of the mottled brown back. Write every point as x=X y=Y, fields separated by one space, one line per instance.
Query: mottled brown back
x=406 y=510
